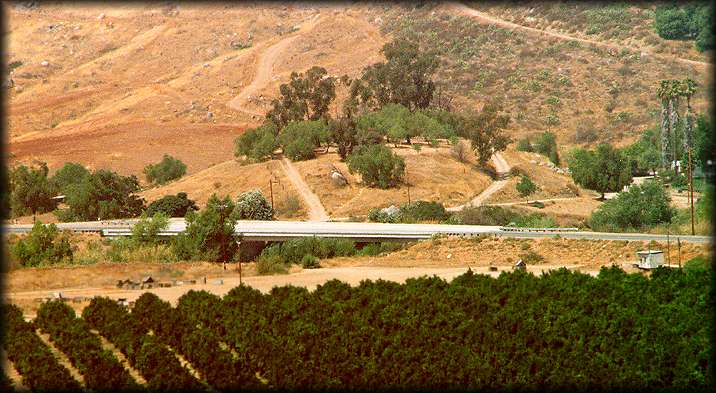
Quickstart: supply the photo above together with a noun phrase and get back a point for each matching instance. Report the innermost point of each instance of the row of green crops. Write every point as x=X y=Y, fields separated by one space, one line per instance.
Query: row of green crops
x=33 y=359
x=99 y=367
x=154 y=360
x=562 y=329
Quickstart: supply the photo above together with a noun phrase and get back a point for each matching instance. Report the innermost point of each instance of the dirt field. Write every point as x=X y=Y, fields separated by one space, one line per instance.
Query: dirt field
x=433 y=175
x=446 y=257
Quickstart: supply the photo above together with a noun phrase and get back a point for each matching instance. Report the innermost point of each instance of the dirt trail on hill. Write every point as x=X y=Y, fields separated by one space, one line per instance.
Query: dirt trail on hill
x=490 y=19
x=316 y=211
x=502 y=168
x=264 y=68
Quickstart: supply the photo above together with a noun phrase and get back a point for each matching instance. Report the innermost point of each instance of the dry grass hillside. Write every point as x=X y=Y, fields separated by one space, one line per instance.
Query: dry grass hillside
x=433 y=175
x=580 y=254
x=545 y=82
x=231 y=178
x=613 y=22
x=118 y=86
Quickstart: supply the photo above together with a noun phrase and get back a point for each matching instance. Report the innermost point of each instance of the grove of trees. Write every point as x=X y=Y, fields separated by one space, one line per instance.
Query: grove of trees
x=517 y=331
x=166 y=170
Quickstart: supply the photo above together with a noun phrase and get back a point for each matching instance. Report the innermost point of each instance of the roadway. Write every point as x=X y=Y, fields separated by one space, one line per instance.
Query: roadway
x=362 y=231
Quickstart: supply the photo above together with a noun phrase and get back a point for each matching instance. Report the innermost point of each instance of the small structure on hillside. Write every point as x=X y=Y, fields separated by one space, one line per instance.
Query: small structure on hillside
x=650 y=259
x=520 y=265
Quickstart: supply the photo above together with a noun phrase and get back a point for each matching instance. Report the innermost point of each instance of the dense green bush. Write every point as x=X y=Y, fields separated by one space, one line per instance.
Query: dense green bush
x=605 y=169
x=300 y=138
x=31 y=191
x=692 y=20
x=525 y=145
x=411 y=212
x=252 y=205
x=172 y=205
x=209 y=234
x=100 y=196
x=257 y=144
x=147 y=229
x=166 y=170
x=643 y=206
x=377 y=165
x=546 y=144
x=525 y=186
x=486 y=215
x=70 y=173
x=293 y=251
x=44 y=244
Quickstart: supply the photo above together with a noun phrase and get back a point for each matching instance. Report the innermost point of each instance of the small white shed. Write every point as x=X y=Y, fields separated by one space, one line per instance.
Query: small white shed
x=650 y=259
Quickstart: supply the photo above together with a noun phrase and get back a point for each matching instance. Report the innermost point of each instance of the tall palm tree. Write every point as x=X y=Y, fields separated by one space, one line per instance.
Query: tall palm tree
x=674 y=97
x=688 y=89
x=663 y=93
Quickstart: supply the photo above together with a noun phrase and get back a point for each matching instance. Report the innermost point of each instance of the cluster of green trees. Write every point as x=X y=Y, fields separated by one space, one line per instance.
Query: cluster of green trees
x=88 y=195
x=518 y=330
x=686 y=21
x=392 y=101
x=411 y=213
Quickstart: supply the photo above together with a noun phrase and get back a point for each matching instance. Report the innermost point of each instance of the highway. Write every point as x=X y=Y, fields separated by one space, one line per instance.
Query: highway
x=361 y=231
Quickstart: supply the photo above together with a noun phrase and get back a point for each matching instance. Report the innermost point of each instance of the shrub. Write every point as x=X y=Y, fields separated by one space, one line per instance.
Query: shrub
x=699 y=263
x=209 y=234
x=535 y=220
x=524 y=145
x=641 y=207
x=252 y=205
x=423 y=211
x=168 y=169
x=147 y=229
x=531 y=257
x=460 y=150
x=310 y=262
x=270 y=264
x=377 y=165
x=546 y=144
x=172 y=205
x=294 y=251
x=526 y=187
x=487 y=215
x=375 y=249
x=43 y=244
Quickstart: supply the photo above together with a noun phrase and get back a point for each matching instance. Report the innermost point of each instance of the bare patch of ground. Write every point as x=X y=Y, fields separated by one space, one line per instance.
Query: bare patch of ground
x=433 y=175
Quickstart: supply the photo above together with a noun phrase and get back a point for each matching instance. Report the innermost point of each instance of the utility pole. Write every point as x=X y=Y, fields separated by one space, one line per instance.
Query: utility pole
x=239 y=252
x=408 y=184
x=668 y=246
x=678 y=243
x=271 y=191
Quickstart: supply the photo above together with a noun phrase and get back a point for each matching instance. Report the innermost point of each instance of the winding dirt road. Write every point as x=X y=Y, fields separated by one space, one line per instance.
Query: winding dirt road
x=502 y=168
x=316 y=211
x=493 y=20
x=264 y=68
